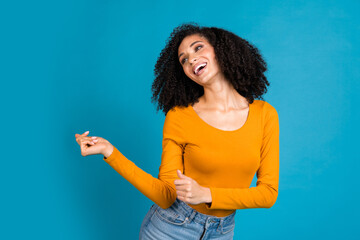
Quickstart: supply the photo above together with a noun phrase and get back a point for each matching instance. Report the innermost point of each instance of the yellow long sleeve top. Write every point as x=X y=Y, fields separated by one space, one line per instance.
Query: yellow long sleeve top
x=224 y=161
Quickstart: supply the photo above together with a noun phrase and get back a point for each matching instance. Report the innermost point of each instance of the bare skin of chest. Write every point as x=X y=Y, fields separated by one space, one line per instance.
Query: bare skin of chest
x=227 y=121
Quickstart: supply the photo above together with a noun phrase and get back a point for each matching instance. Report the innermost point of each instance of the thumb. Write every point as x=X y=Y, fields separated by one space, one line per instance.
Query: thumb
x=179 y=173
x=77 y=135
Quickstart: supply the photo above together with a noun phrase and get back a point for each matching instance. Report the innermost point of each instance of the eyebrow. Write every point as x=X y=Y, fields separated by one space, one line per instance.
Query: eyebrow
x=190 y=46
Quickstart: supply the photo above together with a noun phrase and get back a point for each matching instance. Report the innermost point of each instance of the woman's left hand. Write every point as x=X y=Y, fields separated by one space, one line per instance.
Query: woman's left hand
x=189 y=191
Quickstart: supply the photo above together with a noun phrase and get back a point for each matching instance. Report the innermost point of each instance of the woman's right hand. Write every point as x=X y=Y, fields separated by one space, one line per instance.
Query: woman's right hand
x=93 y=145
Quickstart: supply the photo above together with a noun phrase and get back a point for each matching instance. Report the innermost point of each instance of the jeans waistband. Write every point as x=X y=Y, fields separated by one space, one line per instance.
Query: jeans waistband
x=200 y=217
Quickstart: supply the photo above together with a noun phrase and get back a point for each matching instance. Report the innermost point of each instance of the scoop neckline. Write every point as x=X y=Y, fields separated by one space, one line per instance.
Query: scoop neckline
x=226 y=131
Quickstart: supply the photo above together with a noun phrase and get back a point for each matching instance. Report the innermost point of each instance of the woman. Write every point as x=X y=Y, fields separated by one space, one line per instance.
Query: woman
x=216 y=136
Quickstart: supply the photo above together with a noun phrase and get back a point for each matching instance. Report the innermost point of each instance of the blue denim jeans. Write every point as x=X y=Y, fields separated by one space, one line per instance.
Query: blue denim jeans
x=182 y=222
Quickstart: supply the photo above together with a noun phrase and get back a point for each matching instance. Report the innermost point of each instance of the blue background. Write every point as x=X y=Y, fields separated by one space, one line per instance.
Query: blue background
x=71 y=66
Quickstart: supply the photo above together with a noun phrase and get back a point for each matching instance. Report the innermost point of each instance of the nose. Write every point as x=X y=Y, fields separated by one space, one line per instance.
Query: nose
x=192 y=60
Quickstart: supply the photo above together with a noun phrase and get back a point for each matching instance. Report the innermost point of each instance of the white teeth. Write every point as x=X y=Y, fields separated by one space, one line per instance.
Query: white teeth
x=198 y=67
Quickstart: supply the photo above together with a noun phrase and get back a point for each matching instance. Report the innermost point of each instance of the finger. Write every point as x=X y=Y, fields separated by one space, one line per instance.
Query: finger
x=180 y=182
x=80 y=139
x=182 y=198
x=85 y=133
x=86 y=148
x=184 y=188
x=84 y=151
x=180 y=194
x=180 y=175
x=89 y=138
x=83 y=142
x=90 y=150
x=77 y=135
x=86 y=142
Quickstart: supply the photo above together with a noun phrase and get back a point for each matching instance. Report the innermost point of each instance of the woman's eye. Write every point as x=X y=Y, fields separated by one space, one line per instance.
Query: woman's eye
x=198 y=47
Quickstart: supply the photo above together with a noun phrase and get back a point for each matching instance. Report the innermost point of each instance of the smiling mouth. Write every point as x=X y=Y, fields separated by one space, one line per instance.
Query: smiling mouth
x=200 y=69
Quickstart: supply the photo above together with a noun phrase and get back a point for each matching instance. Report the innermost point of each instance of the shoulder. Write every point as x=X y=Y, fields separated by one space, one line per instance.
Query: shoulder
x=177 y=115
x=178 y=112
x=267 y=112
x=175 y=124
x=180 y=117
x=175 y=110
x=266 y=107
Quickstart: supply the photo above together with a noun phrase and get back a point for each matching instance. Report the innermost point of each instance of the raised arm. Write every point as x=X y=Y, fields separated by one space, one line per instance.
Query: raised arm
x=160 y=190
x=265 y=193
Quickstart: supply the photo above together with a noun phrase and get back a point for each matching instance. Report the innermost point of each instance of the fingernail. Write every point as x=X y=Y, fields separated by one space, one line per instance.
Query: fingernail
x=95 y=140
x=93 y=137
x=86 y=131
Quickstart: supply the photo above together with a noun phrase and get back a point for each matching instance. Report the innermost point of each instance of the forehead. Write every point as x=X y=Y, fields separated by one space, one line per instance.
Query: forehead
x=187 y=41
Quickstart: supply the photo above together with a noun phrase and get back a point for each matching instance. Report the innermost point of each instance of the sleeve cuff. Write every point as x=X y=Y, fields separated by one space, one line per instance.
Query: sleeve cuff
x=115 y=153
x=213 y=197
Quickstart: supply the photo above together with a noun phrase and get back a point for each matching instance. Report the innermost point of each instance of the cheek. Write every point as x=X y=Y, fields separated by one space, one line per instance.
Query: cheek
x=215 y=62
x=186 y=71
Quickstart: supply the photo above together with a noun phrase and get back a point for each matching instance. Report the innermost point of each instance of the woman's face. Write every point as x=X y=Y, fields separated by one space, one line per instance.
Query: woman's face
x=197 y=58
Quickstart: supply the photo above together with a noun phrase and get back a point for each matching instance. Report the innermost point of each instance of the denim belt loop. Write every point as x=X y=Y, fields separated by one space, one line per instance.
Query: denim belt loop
x=192 y=215
x=220 y=226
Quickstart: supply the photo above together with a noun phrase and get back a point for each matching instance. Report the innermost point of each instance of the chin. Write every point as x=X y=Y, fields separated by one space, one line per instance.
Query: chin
x=203 y=78
x=202 y=82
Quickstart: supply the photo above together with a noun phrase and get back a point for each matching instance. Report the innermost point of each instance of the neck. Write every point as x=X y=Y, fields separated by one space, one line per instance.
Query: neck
x=219 y=94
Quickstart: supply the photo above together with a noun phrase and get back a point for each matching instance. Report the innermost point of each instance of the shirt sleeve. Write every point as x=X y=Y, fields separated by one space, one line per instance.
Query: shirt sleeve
x=160 y=190
x=265 y=193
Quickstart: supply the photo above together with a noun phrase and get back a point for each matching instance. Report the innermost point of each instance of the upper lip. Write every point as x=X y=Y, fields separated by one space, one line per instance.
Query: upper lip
x=196 y=65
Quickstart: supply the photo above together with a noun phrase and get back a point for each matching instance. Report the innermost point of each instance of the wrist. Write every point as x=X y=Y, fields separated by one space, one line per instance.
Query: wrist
x=207 y=195
x=109 y=148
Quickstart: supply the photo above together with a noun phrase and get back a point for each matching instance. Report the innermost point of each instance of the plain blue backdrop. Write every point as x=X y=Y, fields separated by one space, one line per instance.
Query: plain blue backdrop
x=71 y=66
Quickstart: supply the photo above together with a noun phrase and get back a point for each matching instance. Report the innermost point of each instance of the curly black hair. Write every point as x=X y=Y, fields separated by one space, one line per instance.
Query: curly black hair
x=240 y=62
